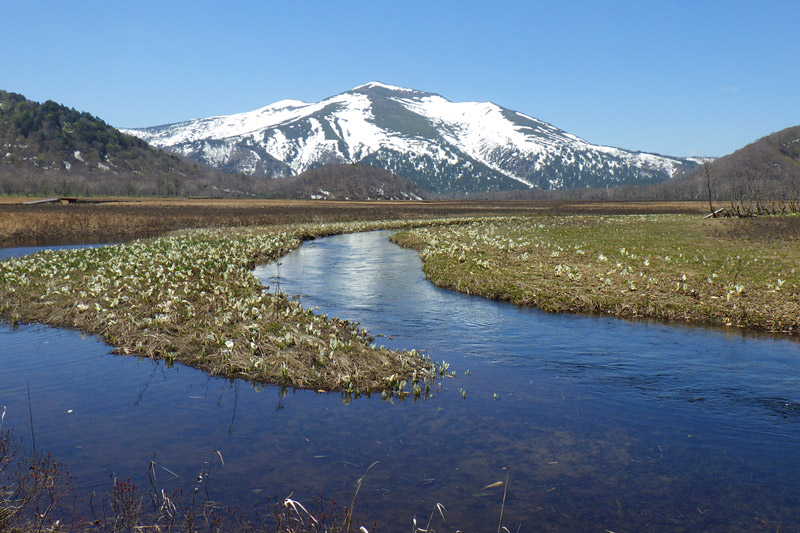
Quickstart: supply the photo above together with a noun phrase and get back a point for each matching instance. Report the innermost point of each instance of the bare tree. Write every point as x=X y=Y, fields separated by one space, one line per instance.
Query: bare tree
x=708 y=185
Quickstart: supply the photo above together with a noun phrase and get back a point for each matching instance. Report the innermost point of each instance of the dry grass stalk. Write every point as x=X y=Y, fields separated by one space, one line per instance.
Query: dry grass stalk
x=22 y=225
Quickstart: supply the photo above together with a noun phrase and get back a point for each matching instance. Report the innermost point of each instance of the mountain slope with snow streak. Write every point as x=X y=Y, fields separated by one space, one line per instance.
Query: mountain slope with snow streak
x=444 y=147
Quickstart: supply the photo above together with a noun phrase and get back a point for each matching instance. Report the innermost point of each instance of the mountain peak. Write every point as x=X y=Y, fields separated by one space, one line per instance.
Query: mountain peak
x=381 y=85
x=443 y=146
x=286 y=103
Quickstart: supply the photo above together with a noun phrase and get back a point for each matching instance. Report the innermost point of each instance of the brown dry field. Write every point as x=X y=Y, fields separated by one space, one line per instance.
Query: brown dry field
x=123 y=219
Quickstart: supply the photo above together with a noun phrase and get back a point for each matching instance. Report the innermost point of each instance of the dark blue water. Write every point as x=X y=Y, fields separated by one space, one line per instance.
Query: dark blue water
x=600 y=424
x=20 y=251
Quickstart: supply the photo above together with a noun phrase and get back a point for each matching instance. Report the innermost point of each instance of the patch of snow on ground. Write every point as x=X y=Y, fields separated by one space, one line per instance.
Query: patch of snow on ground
x=702 y=160
x=249 y=163
x=278 y=145
x=362 y=136
x=216 y=154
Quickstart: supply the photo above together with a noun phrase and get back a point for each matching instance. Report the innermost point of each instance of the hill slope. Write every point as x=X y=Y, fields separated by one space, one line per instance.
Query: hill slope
x=774 y=159
x=52 y=149
x=767 y=169
x=443 y=146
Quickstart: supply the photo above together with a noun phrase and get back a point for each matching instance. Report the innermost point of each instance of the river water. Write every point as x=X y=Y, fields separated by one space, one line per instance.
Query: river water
x=597 y=423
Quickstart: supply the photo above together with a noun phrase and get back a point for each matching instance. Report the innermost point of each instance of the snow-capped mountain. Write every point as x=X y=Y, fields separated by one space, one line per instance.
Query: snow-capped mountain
x=443 y=146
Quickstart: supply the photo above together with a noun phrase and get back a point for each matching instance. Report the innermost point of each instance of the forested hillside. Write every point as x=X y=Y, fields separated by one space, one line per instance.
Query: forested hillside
x=762 y=177
x=48 y=148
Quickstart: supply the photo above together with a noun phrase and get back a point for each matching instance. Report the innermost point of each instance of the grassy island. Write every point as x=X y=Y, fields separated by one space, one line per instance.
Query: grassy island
x=191 y=297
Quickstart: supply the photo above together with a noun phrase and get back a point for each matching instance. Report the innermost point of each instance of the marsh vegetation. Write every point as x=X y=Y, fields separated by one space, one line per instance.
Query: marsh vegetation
x=735 y=273
x=126 y=219
x=191 y=297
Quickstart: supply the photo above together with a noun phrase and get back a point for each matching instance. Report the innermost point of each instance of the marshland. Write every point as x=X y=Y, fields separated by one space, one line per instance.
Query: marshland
x=564 y=419
x=725 y=272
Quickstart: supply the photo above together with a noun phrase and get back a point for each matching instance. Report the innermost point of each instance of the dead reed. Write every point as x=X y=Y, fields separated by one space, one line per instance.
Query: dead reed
x=37 y=496
x=118 y=221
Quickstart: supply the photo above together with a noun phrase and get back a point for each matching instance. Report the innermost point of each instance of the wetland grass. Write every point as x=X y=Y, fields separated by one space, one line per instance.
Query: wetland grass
x=723 y=272
x=122 y=219
x=191 y=297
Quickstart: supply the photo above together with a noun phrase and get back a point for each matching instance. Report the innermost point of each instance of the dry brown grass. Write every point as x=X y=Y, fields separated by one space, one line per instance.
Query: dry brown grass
x=37 y=496
x=772 y=229
x=125 y=219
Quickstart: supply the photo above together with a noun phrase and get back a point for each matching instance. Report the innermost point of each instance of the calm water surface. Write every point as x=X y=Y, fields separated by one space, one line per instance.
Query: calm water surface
x=600 y=424
x=20 y=251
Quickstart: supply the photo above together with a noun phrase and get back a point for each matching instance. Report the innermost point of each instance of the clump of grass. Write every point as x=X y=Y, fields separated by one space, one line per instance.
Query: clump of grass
x=721 y=272
x=34 y=489
x=191 y=297
x=36 y=495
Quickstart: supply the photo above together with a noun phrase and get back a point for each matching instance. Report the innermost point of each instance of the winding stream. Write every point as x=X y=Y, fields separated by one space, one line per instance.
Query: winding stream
x=599 y=424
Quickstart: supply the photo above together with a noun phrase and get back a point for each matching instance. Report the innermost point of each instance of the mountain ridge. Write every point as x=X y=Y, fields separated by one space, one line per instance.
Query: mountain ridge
x=444 y=147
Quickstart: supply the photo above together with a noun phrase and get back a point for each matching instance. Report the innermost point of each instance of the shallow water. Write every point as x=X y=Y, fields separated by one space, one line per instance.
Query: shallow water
x=600 y=423
x=20 y=251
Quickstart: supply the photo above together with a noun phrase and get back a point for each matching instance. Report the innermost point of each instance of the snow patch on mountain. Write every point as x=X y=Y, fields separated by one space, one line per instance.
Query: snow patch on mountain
x=449 y=146
x=374 y=84
x=356 y=127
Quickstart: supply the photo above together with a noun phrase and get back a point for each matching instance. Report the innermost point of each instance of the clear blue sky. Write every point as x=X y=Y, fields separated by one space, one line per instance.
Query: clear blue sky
x=675 y=77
